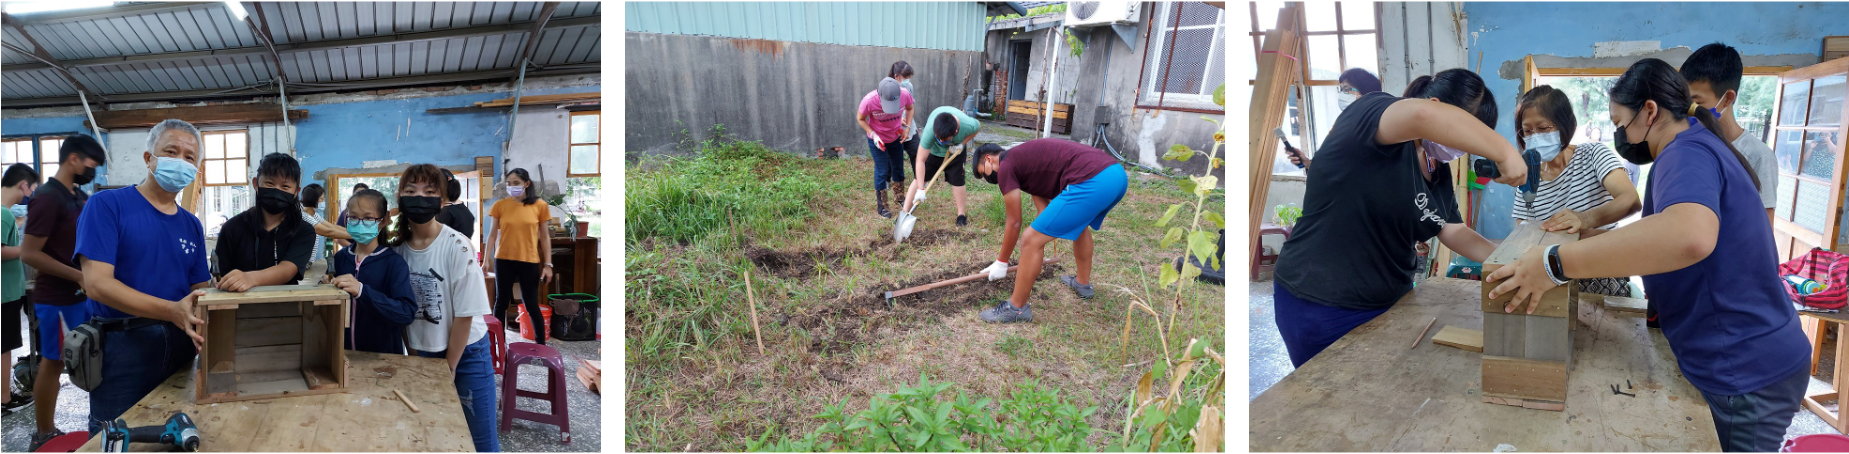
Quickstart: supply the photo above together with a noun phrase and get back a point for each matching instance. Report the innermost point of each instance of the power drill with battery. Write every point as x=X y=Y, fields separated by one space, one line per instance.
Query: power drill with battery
x=179 y=433
x=1487 y=168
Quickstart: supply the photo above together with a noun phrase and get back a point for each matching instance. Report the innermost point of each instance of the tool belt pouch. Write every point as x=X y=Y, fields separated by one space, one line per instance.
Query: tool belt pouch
x=83 y=355
x=83 y=348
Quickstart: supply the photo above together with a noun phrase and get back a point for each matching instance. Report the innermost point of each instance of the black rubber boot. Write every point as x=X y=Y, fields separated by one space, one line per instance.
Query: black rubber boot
x=881 y=195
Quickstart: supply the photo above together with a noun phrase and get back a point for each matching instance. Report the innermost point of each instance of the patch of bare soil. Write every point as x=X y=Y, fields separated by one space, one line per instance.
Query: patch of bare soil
x=802 y=263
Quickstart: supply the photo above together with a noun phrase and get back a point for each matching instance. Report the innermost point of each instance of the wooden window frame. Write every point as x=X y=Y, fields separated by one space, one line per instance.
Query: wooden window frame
x=598 y=143
x=1302 y=58
x=32 y=159
x=1827 y=238
x=243 y=178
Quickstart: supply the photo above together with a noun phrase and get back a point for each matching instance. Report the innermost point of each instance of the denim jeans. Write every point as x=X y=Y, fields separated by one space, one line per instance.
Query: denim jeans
x=1756 y=421
x=888 y=165
x=134 y=363
x=475 y=384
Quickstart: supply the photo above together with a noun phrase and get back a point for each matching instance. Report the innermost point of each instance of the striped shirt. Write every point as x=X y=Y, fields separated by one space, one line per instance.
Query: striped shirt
x=1581 y=187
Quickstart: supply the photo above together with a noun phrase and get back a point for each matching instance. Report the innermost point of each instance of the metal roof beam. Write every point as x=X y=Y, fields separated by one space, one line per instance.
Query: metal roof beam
x=532 y=38
x=106 y=12
x=299 y=88
x=39 y=53
x=469 y=32
x=263 y=36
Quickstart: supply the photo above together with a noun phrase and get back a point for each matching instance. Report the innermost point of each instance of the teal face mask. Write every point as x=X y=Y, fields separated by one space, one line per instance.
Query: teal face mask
x=363 y=231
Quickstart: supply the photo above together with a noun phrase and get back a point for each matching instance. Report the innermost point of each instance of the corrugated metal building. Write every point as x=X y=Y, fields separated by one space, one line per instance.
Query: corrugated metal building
x=170 y=51
x=788 y=73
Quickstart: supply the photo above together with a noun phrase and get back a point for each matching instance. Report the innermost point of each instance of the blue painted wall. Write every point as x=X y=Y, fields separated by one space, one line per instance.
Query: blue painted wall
x=920 y=25
x=17 y=127
x=348 y=134
x=1513 y=30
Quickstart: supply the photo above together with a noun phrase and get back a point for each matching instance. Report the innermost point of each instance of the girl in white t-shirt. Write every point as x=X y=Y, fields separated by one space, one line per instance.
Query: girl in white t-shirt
x=451 y=298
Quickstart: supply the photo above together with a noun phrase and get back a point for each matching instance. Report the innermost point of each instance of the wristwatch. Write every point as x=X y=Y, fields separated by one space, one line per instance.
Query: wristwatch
x=1555 y=271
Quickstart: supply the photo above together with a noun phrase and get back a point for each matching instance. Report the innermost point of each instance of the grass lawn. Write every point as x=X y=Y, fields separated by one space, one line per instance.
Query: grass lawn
x=818 y=257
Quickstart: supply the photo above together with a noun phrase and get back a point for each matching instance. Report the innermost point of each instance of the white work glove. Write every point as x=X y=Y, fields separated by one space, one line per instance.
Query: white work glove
x=997 y=270
x=920 y=197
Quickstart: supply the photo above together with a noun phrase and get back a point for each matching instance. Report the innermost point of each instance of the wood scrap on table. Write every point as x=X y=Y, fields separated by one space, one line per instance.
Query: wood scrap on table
x=1465 y=339
x=591 y=374
x=1622 y=304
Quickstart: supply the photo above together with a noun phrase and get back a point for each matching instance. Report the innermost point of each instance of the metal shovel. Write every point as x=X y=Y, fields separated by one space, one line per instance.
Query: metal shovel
x=902 y=227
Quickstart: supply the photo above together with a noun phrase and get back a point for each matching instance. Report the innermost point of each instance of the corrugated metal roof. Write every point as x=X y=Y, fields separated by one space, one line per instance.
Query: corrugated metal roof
x=192 y=49
x=920 y=25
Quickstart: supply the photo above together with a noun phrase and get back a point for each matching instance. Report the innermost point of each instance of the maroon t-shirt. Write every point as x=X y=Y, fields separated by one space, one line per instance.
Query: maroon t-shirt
x=53 y=216
x=1044 y=167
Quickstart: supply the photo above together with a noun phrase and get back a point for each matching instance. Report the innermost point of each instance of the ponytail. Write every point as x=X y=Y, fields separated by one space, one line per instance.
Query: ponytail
x=1713 y=124
x=1651 y=79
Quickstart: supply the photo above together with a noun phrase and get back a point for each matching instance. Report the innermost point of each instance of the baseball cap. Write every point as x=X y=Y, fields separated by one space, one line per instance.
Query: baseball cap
x=889 y=96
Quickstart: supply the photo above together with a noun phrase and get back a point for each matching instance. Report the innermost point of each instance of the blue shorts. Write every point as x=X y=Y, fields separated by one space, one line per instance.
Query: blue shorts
x=1084 y=204
x=51 y=331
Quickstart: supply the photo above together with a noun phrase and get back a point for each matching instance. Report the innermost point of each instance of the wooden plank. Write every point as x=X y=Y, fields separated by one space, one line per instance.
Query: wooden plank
x=1276 y=74
x=1514 y=330
x=227 y=114
x=1553 y=302
x=1622 y=304
x=1524 y=378
x=272 y=382
x=1547 y=339
x=542 y=99
x=272 y=358
x=220 y=330
x=259 y=332
x=266 y=310
x=273 y=294
x=1465 y=339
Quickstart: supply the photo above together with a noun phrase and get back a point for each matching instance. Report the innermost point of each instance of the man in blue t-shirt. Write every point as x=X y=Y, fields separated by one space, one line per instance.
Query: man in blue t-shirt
x=145 y=311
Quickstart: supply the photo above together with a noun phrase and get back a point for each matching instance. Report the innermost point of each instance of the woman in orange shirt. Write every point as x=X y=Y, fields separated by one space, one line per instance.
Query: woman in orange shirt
x=521 y=249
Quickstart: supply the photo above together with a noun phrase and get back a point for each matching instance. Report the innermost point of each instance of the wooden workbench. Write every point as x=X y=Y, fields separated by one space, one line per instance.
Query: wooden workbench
x=1369 y=392
x=365 y=418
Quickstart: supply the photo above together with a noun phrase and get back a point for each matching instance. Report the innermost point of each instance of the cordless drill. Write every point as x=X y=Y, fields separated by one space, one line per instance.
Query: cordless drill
x=1487 y=168
x=179 y=432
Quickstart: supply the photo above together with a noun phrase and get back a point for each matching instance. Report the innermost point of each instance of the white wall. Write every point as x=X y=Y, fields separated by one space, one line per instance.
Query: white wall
x=126 y=146
x=1420 y=39
x=541 y=137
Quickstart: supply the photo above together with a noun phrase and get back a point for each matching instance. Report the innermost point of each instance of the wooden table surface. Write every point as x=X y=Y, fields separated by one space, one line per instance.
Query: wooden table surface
x=1369 y=392
x=368 y=417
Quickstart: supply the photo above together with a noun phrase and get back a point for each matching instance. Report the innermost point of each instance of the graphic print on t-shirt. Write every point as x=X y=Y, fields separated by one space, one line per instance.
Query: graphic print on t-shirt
x=1430 y=214
x=187 y=247
x=430 y=302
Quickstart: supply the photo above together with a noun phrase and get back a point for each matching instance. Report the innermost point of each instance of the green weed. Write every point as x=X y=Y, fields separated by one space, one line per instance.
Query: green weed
x=1032 y=418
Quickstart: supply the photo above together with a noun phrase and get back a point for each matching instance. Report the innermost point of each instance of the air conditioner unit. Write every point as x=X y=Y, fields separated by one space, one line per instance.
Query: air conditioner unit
x=1082 y=14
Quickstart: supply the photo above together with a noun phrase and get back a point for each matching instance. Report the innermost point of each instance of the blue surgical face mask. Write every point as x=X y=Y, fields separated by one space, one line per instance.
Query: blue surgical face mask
x=19 y=211
x=1546 y=143
x=363 y=231
x=173 y=174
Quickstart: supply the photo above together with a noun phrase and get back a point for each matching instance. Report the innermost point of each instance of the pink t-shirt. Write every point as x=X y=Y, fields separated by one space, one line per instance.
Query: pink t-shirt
x=888 y=126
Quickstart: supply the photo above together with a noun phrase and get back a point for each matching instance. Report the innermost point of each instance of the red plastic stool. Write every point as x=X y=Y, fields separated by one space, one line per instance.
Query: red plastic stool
x=526 y=352
x=497 y=342
x=1258 y=254
x=65 y=443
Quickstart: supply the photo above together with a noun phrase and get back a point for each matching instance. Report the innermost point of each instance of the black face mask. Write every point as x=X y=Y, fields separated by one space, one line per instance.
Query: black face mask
x=1637 y=153
x=274 y=201
x=86 y=177
x=419 y=210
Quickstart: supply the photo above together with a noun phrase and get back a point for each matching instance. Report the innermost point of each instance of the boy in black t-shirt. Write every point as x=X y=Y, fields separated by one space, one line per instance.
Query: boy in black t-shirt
x=268 y=244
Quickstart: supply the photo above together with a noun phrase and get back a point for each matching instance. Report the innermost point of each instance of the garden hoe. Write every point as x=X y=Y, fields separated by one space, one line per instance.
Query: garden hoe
x=902 y=228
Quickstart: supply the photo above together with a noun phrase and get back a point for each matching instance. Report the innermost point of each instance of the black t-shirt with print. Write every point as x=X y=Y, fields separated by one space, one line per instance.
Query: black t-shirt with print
x=1364 y=207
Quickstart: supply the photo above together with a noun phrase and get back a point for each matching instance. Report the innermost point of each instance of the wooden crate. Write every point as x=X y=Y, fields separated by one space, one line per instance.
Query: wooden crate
x=1031 y=115
x=1527 y=357
x=274 y=341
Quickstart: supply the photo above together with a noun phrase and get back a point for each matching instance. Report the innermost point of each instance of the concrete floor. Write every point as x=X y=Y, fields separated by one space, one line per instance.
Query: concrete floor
x=585 y=408
x=1270 y=362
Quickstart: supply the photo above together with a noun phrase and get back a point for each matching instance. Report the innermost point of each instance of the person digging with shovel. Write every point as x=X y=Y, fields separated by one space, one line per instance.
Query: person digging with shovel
x=950 y=129
x=1074 y=185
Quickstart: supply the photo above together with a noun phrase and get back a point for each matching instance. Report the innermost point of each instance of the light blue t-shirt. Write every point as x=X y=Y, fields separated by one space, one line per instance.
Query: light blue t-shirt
x=162 y=255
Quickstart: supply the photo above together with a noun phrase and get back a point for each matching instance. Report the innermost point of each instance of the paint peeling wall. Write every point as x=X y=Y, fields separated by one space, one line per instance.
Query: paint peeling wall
x=347 y=130
x=1107 y=76
x=1786 y=33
